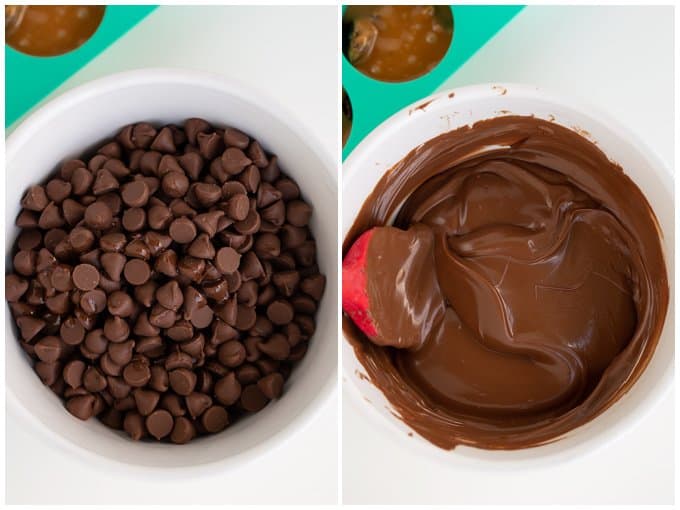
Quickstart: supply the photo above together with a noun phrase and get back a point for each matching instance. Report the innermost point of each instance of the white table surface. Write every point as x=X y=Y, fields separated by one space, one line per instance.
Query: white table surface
x=620 y=59
x=271 y=48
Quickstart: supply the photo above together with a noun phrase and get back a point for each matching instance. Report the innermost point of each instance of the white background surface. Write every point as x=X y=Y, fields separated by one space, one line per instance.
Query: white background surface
x=270 y=49
x=620 y=59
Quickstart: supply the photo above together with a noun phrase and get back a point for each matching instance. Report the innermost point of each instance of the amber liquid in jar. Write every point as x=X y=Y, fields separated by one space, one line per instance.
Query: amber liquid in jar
x=396 y=43
x=49 y=30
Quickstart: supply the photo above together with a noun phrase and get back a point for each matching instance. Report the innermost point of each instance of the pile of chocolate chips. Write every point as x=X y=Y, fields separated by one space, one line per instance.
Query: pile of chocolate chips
x=169 y=284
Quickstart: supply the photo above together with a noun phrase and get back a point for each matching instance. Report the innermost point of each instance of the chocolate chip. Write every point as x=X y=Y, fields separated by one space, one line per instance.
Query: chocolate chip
x=182 y=381
x=134 y=219
x=275 y=214
x=116 y=329
x=192 y=164
x=245 y=317
x=159 y=423
x=181 y=207
x=247 y=294
x=15 y=287
x=166 y=263
x=96 y=342
x=271 y=385
x=170 y=296
x=121 y=353
x=286 y=282
x=162 y=317
x=280 y=312
x=235 y=138
x=104 y=182
x=58 y=190
x=81 y=181
x=222 y=332
x=238 y=207
x=267 y=246
x=85 y=277
x=98 y=215
x=210 y=144
x=276 y=347
x=215 y=419
x=71 y=331
x=50 y=217
x=228 y=389
x=159 y=379
x=288 y=188
x=94 y=380
x=202 y=248
x=73 y=373
x=194 y=126
x=250 y=178
x=253 y=399
x=202 y=317
x=208 y=222
x=298 y=213
x=267 y=195
x=183 y=431
x=178 y=360
x=81 y=407
x=93 y=301
x=180 y=331
x=35 y=199
x=49 y=349
x=143 y=134
x=135 y=193
x=113 y=264
x=138 y=249
x=137 y=373
x=133 y=424
x=182 y=230
x=197 y=404
x=257 y=154
x=145 y=400
x=207 y=194
x=231 y=354
x=24 y=262
x=251 y=267
x=234 y=160
x=136 y=271
x=156 y=243
x=175 y=184
x=164 y=141
x=173 y=404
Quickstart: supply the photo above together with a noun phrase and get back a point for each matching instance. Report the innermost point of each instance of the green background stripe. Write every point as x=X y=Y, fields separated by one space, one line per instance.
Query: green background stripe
x=374 y=101
x=30 y=79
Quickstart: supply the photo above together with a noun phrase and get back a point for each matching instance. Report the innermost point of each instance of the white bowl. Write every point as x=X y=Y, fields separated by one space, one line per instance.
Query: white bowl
x=85 y=116
x=446 y=111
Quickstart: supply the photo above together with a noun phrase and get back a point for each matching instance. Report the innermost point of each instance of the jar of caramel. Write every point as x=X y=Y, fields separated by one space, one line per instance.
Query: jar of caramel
x=396 y=43
x=49 y=30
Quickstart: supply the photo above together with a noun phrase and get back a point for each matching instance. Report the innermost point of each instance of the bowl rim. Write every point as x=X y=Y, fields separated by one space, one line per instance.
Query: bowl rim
x=528 y=458
x=250 y=94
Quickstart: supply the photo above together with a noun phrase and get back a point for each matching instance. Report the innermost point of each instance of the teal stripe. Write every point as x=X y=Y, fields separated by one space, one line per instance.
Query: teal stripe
x=374 y=101
x=30 y=79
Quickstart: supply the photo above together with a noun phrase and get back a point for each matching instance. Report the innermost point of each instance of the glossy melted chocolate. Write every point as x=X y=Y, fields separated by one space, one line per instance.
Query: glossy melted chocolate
x=534 y=281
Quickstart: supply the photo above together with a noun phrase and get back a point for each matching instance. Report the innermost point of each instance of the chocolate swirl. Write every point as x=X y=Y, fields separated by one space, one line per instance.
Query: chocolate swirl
x=549 y=272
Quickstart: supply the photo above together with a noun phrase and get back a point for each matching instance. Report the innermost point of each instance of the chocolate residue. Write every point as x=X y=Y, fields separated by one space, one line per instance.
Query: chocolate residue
x=424 y=105
x=550 y=267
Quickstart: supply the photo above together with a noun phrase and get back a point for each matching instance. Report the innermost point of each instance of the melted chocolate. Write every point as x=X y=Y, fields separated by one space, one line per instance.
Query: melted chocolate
x=550 y=288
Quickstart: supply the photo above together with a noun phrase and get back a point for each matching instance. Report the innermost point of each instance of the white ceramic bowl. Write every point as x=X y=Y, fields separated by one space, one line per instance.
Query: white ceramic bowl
x=443 y=112
x=85 y=116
